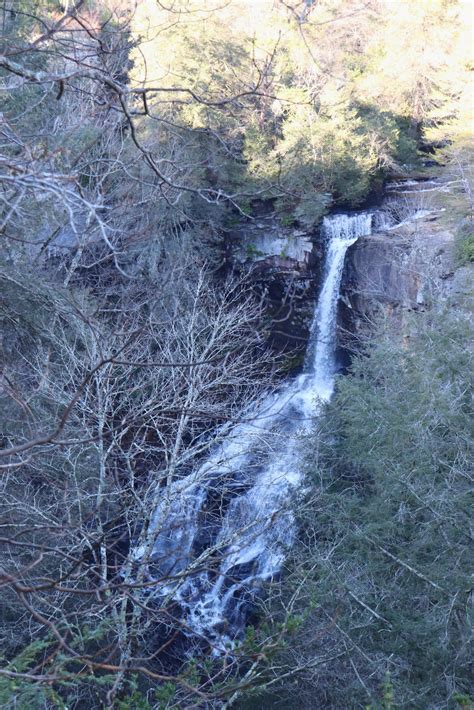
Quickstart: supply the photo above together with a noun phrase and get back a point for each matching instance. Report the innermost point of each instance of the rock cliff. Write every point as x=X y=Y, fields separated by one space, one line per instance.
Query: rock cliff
x=284 y=266
x=397 y=270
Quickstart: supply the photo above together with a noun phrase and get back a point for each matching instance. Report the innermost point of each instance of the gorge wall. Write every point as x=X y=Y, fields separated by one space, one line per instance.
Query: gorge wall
x=396 y=271
x=406 y=265
x=284 y=265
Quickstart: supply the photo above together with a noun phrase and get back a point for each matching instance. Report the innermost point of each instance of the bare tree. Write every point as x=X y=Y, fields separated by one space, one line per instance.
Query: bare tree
x=150 y=387
x=80 y=177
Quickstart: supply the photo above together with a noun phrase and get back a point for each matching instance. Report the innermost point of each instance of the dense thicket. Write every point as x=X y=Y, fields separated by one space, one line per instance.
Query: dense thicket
x=133 y=137
x=384 y=563
x=311 y=102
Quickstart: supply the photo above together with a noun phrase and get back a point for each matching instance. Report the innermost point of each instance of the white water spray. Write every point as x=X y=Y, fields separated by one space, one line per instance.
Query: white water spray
x=257 y=526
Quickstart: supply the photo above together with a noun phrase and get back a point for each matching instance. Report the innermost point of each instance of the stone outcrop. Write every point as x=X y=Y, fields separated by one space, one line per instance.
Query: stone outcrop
x=406 y=265
x=392 y=272
x=283 y=262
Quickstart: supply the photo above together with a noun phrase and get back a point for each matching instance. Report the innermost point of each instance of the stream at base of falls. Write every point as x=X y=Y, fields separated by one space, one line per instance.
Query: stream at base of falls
x=257 y=464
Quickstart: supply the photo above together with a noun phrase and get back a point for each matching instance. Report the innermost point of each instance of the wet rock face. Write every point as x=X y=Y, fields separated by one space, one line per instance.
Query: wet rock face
x=284 y=264
x=404 y=265
x=395 y=271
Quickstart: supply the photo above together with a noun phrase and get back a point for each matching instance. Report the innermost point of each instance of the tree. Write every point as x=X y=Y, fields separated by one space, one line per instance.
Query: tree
x=153 y=380
x=386 y=537
x=131 y=136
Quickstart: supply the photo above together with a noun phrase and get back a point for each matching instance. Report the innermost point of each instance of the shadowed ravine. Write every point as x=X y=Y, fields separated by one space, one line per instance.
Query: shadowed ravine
x=258 y=463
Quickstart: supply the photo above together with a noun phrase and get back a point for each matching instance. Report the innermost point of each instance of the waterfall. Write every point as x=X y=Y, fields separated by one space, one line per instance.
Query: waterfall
x=257 y=526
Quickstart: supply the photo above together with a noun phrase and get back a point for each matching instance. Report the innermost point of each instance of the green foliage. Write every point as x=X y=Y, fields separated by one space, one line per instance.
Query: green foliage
x=28 y=692
x=134 y=699
x=326 y=153
x=464 y=231
x=20 y=692
x=23 y=17
x=465 y=249
x=252 y=251
x=287 y=220
x=392 y=510
x=338 y=150
x=164 y=694
x=311 y=208
x=464 y=701
x=336 y=111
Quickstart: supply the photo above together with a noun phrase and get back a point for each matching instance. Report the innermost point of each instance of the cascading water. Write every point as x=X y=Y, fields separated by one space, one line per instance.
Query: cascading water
x=256 y=527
